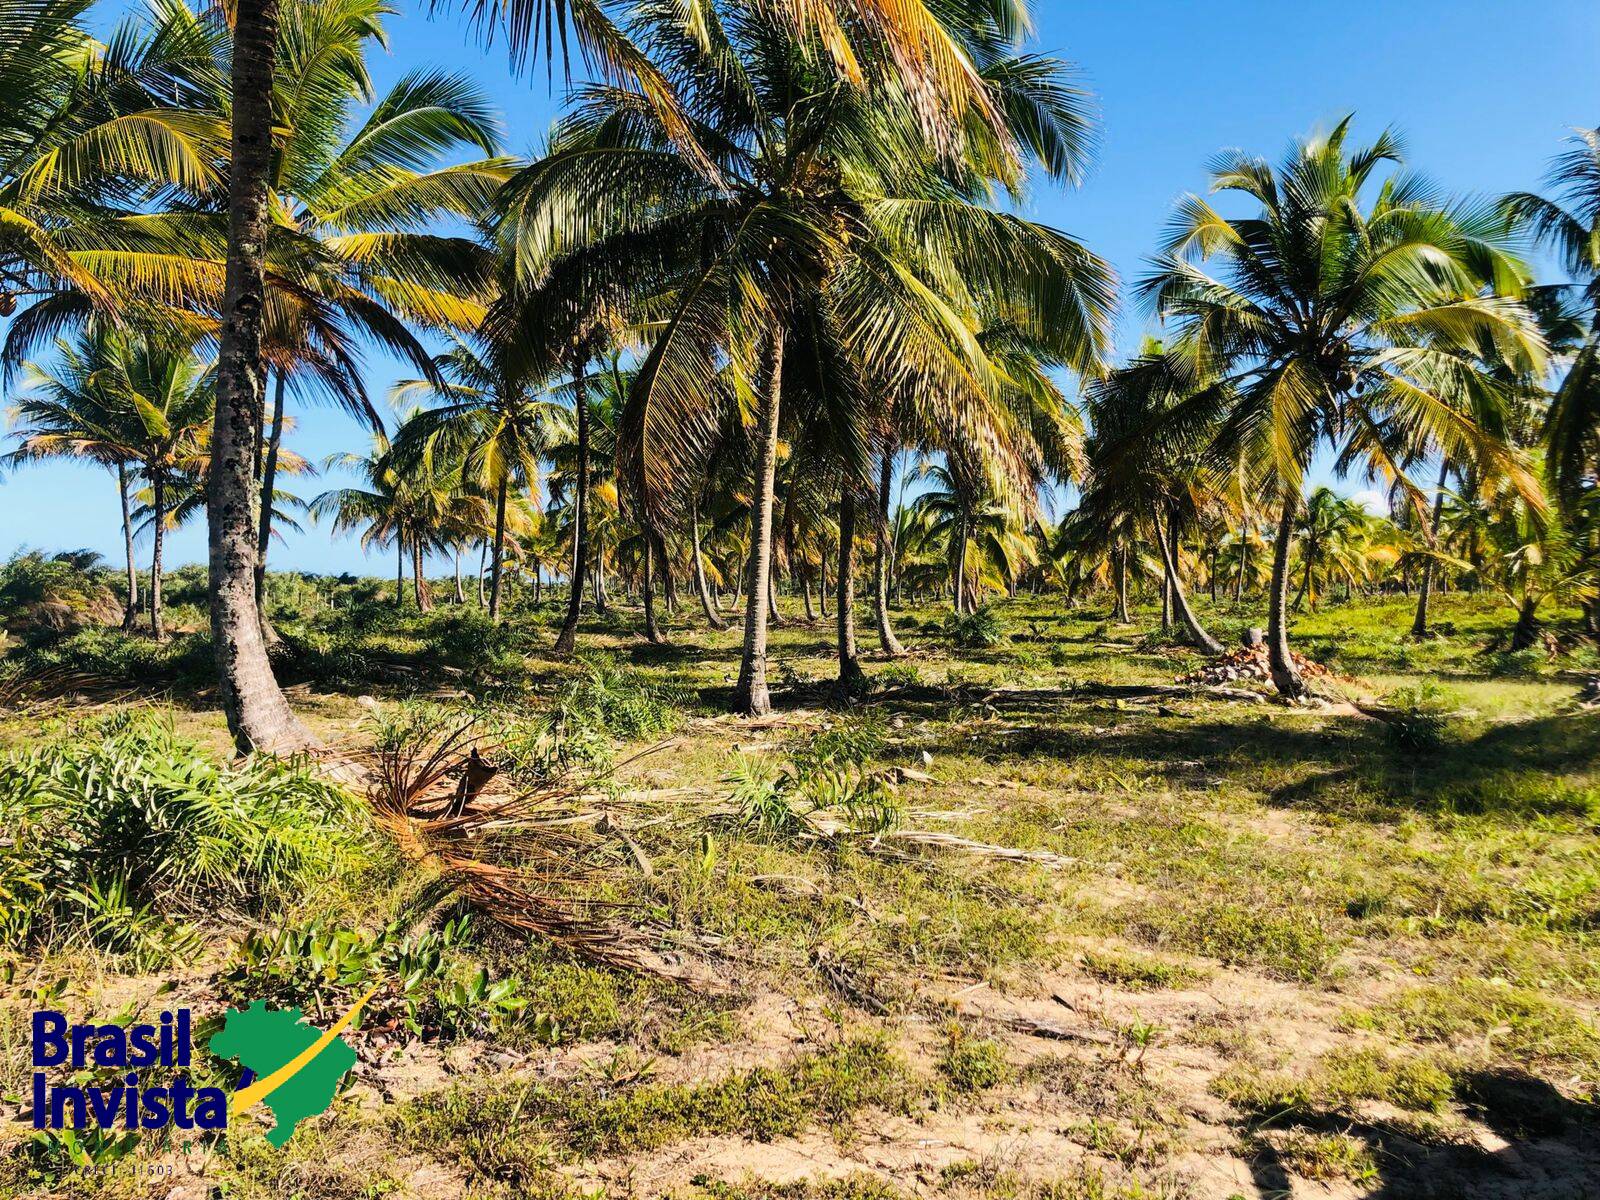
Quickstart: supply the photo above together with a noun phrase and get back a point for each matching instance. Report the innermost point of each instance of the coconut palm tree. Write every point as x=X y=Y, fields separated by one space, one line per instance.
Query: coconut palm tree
x=486 y=417
x=1332 y=533
x=1334 y=315
x=93 y=134
x=823 y=223
x=122 y=399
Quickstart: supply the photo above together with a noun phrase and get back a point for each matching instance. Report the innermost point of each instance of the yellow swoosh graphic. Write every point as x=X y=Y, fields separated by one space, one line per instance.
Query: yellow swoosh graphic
x=247 y=1098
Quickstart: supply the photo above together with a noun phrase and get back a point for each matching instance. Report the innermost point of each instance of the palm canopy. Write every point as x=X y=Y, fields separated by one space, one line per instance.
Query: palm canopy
x=1328 y=317
x=91 y=134
x=118 y=397
x=823 y=212
x=1570 y=225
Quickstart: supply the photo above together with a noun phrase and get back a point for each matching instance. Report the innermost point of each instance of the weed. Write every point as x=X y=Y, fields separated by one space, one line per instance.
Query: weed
x=972 y=1065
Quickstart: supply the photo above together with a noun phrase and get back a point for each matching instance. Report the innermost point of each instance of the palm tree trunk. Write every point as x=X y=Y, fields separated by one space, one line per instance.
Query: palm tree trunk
x=1244 y=559
x=850 y=676
x=822 y=579
x=158 y=517
x=751 y=696
x=269 y=477
x=130 y=614
x=958 y=571
x=399 y=570
x=258 y=715
x=497 y=553
x=419 y=585
x=483 y=563
x=652 y=631
x=461 y=593
x=1419 y=626
x=1180 y=602
x=880 y=583
x=669 y=589
x=713 y=618
x=567 y=639
x=1119 y=568
x=1526 y=632
x=1284 y=675
x=602 y=603
x=805 y=594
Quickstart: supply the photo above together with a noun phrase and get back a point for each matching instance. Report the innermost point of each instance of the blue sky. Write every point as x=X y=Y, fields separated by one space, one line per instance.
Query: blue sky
x=1484 y=92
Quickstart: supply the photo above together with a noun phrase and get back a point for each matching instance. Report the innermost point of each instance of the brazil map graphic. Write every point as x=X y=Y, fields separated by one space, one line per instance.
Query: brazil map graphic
x=264 y=1041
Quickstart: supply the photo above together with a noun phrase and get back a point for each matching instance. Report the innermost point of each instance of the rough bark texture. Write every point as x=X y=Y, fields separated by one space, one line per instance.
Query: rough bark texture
x=130 y=614
x=1119 y=610
x=497 y=553
x=849 y=663
x=1284 y=675
x=652 y=631
x=1419 y=625
x=419 y=585
x=880 y=583
x=269 y=477
x=1526 y=633
x=713 y=618
x=258 y=715
x=1180 y=602
x=158 y=526
x=567 y=639
x=751 y=695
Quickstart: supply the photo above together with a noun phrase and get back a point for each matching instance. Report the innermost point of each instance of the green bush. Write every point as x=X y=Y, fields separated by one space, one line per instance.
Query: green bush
x=121 y=825
x=978 y=630
x=1423 y=718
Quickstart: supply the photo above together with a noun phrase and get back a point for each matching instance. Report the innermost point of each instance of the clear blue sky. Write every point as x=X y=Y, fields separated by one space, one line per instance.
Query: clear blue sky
x=1484 y=92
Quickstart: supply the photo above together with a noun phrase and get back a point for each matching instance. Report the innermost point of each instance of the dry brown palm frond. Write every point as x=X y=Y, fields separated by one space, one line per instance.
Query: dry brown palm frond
x=515 y=853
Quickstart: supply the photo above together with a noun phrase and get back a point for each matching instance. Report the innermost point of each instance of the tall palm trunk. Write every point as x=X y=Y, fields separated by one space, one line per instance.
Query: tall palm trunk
x=483 y=555
x=497 y=553
x=822 y=579
x=850 y=675
x=958 y=569
x=751 y=696
x=880 y=582
x=419 y=585
x=652 y=631
x=713 y=618
x=269 y=476
x=805 y=594
x=158 y=517
x=669 y=589
x=1419 y=625
x=461 y=594
x=1119 y=610
x=602 y=603
x=567 y=639
x=130 y=614
x=1244 y=559
x=399 y=570
x=1284 y=675
x=1180 y=602
x=258 y=715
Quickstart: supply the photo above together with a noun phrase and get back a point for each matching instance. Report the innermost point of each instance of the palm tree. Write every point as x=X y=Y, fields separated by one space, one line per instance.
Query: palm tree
x=1332 y=532
x=948 y=98
x=1332 y=318
x=490 y=420
x=93 y=134
x=406 y=505
x=123 y=400
x=821 y=222
x=1155 y=486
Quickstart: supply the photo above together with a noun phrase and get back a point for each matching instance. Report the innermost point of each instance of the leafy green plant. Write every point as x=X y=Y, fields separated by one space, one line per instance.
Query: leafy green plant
x=977 y=630
x=120 y=825
x=1423 y=717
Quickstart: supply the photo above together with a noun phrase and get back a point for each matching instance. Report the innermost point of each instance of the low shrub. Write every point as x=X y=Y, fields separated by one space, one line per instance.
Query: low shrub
x=978 y=630
x=121 y=825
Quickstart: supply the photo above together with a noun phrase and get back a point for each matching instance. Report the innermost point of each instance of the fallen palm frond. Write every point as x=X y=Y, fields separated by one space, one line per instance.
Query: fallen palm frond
x=514 y=853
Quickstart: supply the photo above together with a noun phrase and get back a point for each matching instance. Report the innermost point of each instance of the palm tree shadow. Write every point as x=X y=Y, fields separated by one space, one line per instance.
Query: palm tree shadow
x=1549 y=1147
